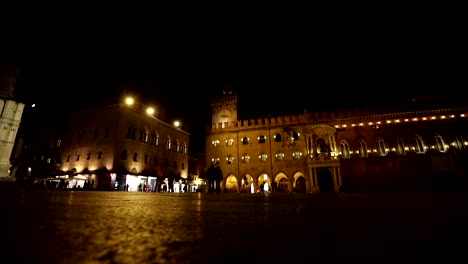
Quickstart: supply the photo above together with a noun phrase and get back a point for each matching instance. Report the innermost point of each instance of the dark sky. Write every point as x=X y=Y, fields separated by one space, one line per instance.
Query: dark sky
x=185 y=73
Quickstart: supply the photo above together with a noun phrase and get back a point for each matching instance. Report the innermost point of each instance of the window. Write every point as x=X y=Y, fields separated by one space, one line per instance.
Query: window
x=263 y=157
x=183 y=166
x=215 y=143
x=168 y=143
x=279 y=156
x=59 y=142
x=78 y=157
x=345 y=149
x=135 y=157
x=184 y=148
x=88 y=157
x=229 y=142
x=278 y=138
x=215 y=160
x=400 y=147
x=131 y=132
x=419 y=145
x=295 y=136
x=123 y=155
x=68 y=158
x=144 y=136
x=146 y=158
x=297 y=155
x=261 y=139
x=154 y=140
x=440 y=143
x=245 y=141
x=381 y=150
x=99 y=155
x=321 y=145
x=362 y=146
x=176 y=146
x=230 y=159
x=246 y=158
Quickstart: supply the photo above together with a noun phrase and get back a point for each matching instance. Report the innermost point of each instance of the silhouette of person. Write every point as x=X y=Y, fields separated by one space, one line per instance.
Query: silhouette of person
x=210 y=174
x=218 y=178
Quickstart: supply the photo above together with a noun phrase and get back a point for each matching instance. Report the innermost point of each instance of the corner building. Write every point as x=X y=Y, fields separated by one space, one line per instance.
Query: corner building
x=357 y=150
x=117 y=145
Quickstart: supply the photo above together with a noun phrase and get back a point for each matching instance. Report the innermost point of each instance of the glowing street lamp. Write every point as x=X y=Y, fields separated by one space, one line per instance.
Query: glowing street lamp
x=150 y=110
x=176 y=123
x=129 y=101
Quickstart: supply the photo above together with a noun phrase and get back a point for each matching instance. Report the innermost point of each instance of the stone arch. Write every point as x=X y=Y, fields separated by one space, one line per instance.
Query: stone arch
x=247 y=183
x=230 y=183
x=325 y=180
x=265 y=179
x=281 y=183
x=299 y=182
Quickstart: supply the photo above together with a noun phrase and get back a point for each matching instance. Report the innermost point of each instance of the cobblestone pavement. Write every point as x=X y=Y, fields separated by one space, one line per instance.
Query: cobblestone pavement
x=122 y=227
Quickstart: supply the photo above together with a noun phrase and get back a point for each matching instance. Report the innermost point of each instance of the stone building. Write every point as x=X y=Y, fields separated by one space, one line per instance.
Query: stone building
x=108 y=147
x=354 y=150
x=11 y=112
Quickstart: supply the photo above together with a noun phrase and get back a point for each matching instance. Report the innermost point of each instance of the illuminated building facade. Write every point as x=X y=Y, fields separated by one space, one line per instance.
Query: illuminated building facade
x=353 y=150
x=10 y=115
x=120 y=144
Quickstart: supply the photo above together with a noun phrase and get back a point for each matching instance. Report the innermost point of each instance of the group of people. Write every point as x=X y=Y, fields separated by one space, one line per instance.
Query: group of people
x=214 y=176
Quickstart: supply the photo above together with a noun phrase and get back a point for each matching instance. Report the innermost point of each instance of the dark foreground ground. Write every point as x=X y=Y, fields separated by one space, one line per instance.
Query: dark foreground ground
x=122 y=227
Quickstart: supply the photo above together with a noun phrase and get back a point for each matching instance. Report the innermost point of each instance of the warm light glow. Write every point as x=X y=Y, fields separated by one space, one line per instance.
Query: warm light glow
x=150 y=110
x=129 y=101
x=406 y=119
x=424 y=118
x=344 y=125
x=176 y=123
x=462 y=115
x=388 y=121
x=433 y=117
x=337 y=126
x=33 y=105
x=415 y=119
x=442 y=117
x=370 y=123
x=397 y=121
x=353 y=125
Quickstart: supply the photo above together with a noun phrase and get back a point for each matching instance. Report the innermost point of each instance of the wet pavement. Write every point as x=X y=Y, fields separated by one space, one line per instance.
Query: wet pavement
x=124 y=227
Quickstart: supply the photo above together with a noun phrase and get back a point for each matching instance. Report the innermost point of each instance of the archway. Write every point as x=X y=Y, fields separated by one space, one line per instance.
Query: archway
x=300 y=185
x=264 y=183
x=231 y=184
x=325 y=180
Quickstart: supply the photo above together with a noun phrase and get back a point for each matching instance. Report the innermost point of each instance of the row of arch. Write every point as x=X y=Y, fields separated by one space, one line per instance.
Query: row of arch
x=297 y=182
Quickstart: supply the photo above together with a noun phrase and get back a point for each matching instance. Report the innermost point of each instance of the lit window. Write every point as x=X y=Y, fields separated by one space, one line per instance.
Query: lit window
x=246 y=158
x=263 y=157
x=279 y=156
x=215 y=143
x=297 y=155
x=344 y=149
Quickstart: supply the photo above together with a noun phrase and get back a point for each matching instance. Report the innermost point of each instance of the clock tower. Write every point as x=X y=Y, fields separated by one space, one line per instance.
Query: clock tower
x=224 y=108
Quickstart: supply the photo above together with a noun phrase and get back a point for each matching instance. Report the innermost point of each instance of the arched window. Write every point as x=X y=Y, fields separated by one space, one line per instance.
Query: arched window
x=296 y=136
x=230 y=159
x=99 y=155
x=279 y=156
x=229 y=142
x=263 y=157
x=246 y=158
x=135 y=157
x=380 y=145
x=155 y=138
x=215 y=143
x=245 y=141
x=362 y=146
x=278 y=137
x=131 y=132
x=345 y=149
x=419 y=146
x=440 y=143
x=400 y=147
x=144 y=136
x=261 y=139
x=176 y=146
x=167 y=144
x=215 y=160
x=184 y=148
x=297 y=155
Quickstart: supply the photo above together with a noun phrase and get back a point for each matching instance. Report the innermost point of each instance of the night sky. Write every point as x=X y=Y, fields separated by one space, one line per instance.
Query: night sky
x=184 y=77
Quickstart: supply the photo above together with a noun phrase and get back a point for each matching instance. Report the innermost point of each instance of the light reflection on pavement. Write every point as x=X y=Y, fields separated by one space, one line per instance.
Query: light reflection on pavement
x=124 y=227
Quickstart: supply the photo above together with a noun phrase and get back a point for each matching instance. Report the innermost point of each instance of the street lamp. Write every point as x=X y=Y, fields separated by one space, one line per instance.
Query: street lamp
x=150 y=111
x=129 y=101
x=176 y=123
